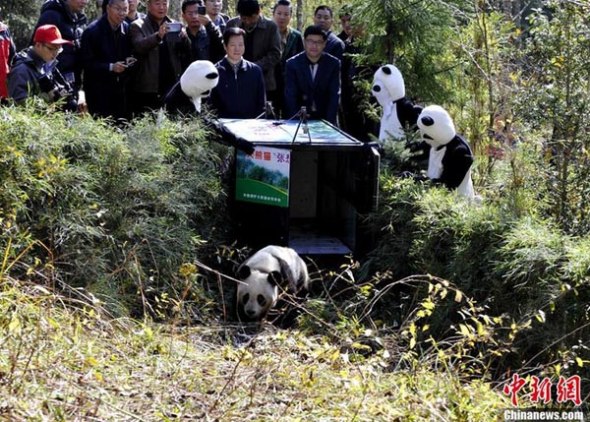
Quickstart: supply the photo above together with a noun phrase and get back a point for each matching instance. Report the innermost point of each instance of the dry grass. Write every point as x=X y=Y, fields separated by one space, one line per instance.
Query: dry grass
x=64 y=360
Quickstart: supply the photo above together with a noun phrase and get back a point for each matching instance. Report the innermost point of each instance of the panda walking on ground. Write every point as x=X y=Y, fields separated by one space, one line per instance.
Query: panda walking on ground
x=262 y=274
x=450 y=157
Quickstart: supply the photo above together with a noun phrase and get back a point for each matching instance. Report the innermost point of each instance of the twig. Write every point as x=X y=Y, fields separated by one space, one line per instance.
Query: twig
x=220 y=274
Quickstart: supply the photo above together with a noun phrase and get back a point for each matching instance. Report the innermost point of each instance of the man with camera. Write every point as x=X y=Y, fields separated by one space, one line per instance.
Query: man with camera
x=34 y=71
x=206 y=38
x=159 y=43
x=107 y=61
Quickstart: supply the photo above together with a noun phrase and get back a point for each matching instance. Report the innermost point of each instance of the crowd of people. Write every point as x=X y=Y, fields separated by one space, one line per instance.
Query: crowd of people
x=125 y=62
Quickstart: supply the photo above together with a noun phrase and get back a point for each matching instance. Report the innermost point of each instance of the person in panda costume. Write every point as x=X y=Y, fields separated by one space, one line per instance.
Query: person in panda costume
x=186 y=96
x=399 y=113
x=262 y=275
x=450 y=157
x=197 y=81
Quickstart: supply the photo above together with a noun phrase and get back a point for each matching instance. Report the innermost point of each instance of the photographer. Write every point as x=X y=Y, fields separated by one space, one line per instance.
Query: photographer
x=34 y=71
x=160 y=45
x=206 y=38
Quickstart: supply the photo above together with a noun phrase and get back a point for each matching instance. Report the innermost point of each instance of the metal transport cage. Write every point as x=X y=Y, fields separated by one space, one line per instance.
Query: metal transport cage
x=306 y=185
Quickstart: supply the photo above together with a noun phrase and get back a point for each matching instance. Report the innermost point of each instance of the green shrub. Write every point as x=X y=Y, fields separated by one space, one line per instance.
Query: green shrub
x=117 y=212
x=504 y=253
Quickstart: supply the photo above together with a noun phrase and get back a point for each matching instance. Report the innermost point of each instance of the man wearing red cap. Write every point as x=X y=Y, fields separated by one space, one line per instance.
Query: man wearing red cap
x=69 y=17
x=34 y=71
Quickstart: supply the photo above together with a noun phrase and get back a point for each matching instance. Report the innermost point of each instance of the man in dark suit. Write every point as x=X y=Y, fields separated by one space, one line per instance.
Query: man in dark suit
x=312 y=79
x=106 y=52
x=324 y=18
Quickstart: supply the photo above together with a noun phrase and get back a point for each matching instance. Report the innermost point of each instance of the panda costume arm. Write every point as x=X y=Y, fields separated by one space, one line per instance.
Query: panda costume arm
x=407 y=114
x=456 y=161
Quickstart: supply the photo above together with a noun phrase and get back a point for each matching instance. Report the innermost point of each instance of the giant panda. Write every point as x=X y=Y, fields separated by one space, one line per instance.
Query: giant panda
x=197 y=81
x=262 y=275
x=399 y=113
x=450 y=157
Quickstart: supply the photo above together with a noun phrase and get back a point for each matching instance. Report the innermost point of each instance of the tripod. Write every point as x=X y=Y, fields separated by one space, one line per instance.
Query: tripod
x=302 y=113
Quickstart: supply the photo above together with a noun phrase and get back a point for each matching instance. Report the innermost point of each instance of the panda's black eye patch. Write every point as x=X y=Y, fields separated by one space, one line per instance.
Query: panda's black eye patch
x=261 y=300
x=427 y=120
x=245 y=298
x=386 y=70
x=376 y=88
x=212 y=75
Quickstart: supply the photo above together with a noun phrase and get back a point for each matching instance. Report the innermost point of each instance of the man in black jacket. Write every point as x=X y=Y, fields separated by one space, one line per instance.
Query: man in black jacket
x=34 y=71
x=206 y=38
x=324 y=17
x=106 y=55
x=69 y=17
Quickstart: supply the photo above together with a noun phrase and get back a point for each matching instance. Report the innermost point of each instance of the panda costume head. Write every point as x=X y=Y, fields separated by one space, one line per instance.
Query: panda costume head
x=450 y=159
x=198 y=80
x=388 y=85
x=262 y=274
x=436 y=126
x=399 y=113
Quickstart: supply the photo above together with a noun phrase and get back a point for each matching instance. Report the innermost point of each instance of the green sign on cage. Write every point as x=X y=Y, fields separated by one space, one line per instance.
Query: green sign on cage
x=263 y=177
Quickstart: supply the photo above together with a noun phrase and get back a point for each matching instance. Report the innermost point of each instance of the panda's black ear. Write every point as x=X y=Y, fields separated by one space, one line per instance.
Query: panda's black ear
x=386 y=70
x=244 y=272
x=212 y=75
x=275 y=278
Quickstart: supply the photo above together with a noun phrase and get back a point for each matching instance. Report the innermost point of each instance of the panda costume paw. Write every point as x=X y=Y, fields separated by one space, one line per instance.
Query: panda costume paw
x=262 y=275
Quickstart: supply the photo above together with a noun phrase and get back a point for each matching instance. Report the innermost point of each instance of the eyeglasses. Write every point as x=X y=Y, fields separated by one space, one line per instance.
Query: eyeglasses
x=54 y=49
x=120 y=10
x=314 y=42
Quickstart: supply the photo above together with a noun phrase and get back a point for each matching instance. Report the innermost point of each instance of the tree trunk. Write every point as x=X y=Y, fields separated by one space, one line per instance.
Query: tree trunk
x=300 y=6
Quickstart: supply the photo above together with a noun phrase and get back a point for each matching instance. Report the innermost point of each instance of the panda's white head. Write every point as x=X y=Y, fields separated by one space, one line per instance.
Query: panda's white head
x=198 y=80
x=436 y=126
x=388 y=85
x=258 y=291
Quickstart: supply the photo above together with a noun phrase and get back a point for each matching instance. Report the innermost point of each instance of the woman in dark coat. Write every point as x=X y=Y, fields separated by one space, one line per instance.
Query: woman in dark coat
x=240 y=92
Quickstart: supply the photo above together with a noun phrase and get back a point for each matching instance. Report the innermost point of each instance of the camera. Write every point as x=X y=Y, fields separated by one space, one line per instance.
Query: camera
x=174 y=26
x=52 y=88
x=201 y=10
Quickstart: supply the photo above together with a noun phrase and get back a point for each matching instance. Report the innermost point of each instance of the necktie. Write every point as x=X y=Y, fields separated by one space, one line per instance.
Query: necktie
x=313 y=67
